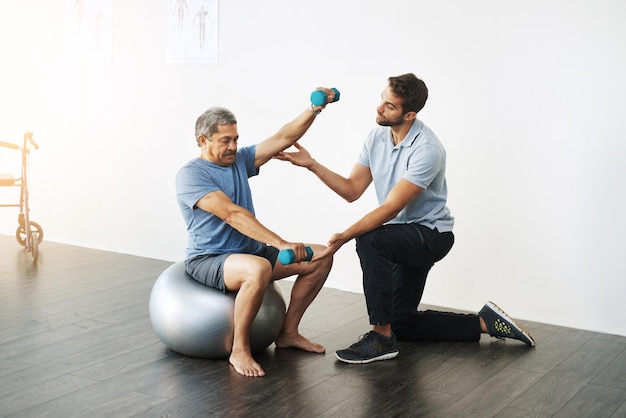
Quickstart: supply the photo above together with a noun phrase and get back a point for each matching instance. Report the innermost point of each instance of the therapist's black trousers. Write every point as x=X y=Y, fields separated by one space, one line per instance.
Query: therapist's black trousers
x=395 y=260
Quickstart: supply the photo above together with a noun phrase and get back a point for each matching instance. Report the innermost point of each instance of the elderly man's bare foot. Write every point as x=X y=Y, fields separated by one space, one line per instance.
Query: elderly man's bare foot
x=244 y=364
x=296 y=340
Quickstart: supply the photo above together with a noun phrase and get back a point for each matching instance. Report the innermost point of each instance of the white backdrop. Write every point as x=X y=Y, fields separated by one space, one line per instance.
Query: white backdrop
x=527 y=97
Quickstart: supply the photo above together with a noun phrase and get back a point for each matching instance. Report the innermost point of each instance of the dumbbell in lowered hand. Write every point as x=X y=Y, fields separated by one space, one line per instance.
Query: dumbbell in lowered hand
x=287 y=256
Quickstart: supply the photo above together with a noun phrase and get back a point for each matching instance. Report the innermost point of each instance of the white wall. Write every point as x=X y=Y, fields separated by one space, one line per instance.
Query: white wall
x=527 y=97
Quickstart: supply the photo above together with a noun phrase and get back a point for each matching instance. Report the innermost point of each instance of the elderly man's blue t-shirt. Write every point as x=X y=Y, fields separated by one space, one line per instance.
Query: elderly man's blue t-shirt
x=208 y=234
x=420 y=159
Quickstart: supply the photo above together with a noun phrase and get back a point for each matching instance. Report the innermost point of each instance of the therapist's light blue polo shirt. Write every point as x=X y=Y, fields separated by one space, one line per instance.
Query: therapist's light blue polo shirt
x=421 y=159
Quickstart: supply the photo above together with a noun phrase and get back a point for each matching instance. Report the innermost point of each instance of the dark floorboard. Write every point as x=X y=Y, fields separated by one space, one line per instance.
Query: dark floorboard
x=76 y=341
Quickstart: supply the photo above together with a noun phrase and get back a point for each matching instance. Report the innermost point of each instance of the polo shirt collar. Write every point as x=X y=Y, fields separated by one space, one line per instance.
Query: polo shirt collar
x=411 y=136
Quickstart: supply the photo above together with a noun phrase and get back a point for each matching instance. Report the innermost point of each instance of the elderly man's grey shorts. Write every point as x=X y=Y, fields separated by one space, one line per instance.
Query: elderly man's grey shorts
x=209 y=269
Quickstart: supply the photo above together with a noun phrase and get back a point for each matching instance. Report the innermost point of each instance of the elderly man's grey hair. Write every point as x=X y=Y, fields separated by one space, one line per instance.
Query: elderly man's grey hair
x=208 y=122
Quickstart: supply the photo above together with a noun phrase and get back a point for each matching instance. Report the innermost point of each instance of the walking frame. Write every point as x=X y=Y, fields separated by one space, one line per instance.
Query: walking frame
x=29 y=234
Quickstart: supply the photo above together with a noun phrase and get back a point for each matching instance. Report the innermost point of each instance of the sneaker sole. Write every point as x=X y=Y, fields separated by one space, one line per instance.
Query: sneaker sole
x=521 y=330
x=387 y=356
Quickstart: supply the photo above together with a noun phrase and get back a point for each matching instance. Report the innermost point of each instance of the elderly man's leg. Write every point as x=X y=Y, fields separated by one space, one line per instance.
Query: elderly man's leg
x=311 y=278
x=248 y=275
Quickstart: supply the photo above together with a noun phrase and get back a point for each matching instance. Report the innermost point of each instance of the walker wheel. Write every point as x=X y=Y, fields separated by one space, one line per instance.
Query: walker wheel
x=20 y=233
x=34 y=246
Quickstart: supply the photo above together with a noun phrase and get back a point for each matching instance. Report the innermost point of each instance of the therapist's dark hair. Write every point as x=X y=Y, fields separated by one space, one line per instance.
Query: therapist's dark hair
x=411 y=90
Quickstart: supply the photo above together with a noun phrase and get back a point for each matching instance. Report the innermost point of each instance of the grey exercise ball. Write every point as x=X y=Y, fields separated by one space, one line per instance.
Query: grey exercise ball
x=196 y=320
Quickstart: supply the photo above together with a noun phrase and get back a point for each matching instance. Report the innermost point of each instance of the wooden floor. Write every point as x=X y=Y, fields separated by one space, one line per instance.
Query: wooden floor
x=76 y=341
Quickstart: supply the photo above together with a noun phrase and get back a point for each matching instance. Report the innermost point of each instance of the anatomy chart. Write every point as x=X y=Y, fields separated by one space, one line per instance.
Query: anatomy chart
x=192 y=28
x=90 y=32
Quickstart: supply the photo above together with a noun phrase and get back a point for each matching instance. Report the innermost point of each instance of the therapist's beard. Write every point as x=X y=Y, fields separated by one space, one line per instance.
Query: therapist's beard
x=387 y=122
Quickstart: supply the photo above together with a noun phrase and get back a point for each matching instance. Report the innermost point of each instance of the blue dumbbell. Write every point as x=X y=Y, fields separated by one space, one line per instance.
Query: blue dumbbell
x=288 y=256
x=319 y=98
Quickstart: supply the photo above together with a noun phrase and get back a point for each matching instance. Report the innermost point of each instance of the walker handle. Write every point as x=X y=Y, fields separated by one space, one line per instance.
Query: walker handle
x=9 y=145
x=29 y=135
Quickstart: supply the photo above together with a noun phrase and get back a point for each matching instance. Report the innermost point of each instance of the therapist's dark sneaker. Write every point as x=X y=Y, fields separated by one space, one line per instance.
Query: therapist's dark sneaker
x=370 y=347
x=501 y=325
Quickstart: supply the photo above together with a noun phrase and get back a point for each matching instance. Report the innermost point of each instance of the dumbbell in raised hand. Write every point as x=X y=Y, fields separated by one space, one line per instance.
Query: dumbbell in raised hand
x=319 y=98
x=287 y=256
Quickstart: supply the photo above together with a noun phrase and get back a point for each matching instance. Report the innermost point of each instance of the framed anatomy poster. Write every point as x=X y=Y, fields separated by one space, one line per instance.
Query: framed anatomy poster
x=90 y=31
x=192 y=28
